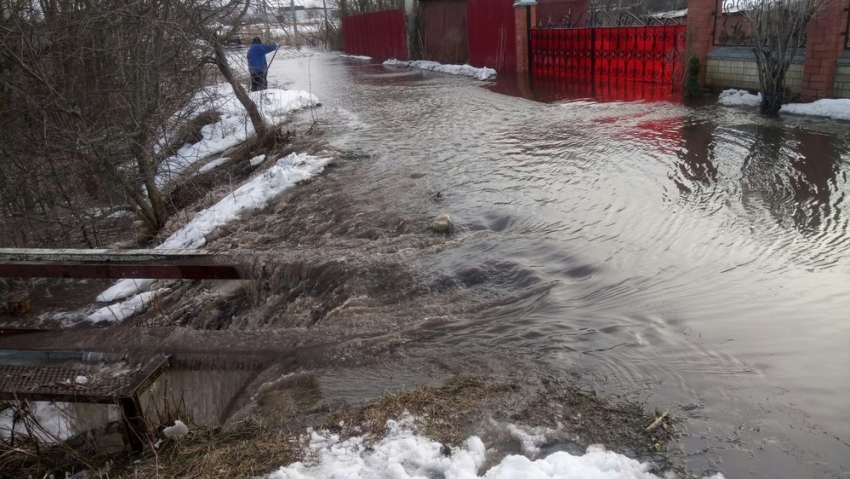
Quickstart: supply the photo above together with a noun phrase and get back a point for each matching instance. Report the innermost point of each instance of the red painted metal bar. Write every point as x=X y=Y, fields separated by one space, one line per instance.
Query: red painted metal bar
x=149 y=264
x=118 y=271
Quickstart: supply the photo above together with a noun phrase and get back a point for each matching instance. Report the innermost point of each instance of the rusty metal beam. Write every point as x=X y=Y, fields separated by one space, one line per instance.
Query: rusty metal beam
x=116 y=264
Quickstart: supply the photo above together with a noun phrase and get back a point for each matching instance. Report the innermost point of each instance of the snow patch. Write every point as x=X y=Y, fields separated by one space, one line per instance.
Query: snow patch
x=81 y=380
x=356 y=57
x=252 y=196
x=738 y=98
x=120 y=311
x=213 y=164
x=124 y=289
x=462 y=70
x=405 y=454
x=530 y=439
x=257 y=160
x=50 y=416
x=177 y=430
x=836 y=109
x=233 y=126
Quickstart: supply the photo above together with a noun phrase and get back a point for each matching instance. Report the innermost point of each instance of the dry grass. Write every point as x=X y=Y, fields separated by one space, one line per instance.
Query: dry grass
x=446 y=412
x=621 y=425
x=248 y=450
x=449 y=414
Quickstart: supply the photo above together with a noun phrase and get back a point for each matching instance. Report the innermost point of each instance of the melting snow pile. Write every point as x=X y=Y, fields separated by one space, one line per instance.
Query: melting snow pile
x=233 y=127
x=403 y=454
x=837 y=109
x=738 y=98
x=177 y=430
x=125 y=309
x=53 y=422
x=463 y=70
x=252 y=196
x=357 y=57
x=213 y=165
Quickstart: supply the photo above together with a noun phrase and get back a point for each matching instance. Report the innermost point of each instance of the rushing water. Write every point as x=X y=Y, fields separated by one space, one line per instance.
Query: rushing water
x=697 y=254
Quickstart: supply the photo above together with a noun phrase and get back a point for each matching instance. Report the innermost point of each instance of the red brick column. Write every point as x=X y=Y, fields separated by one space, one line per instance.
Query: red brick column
x=521 y=13
x=824 y=44
x=700 y=29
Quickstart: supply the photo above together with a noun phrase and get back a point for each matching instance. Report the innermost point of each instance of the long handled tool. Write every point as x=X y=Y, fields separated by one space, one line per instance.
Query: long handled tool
x=266 y=75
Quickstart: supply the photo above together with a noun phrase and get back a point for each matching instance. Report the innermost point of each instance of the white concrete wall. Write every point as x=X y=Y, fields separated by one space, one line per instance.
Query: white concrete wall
x=742 y=73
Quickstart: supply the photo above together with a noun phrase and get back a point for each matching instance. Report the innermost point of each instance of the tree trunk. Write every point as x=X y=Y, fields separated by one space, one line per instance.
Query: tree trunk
x=253 y=112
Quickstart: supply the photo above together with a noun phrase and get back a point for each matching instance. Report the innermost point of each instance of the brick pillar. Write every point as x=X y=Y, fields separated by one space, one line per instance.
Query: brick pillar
x=700 y=28
x=522 y=10
x=824 y=44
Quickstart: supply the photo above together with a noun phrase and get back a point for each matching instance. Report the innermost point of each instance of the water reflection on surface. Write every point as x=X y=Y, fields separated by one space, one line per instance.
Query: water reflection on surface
x=695 y=254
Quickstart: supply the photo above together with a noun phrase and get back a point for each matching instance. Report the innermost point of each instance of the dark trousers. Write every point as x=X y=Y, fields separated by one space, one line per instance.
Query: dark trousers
x=258 y=80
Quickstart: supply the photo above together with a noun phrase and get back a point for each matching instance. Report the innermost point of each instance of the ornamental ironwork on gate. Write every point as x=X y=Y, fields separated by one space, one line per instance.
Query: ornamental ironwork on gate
x=599 y=48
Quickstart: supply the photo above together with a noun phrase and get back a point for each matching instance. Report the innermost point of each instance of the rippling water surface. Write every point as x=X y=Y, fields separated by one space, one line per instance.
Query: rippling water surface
x=695 y=254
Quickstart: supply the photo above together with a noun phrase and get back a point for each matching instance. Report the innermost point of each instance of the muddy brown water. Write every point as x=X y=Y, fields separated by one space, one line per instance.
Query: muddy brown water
x=694 y=255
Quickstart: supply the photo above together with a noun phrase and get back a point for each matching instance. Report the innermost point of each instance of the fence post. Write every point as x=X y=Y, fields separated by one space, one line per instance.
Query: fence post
x=525 y=15
x=824 y=45
x=701 y=20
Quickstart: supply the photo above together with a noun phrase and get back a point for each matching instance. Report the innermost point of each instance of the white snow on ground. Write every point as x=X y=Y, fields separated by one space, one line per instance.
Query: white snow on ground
x=356 y=57
x=177 y=430
x=233 y=127
x=836 y=109
x=120 y=311
x=403 y=454
x=530 y=439
x=738 y=98
x=463 y=70
x=252 y=196
x=48 y=415
x=123 y=289
x=213 y=164
x=257 y=160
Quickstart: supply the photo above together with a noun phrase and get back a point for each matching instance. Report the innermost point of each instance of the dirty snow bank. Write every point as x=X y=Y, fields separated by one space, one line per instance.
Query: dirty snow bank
x=836 y=109
x=405 y=454
x=738 y=98
x=50 y=416
x=356 y=57
x=463 y=70
x=252 y=196
x=234 y=126
x=123 y=310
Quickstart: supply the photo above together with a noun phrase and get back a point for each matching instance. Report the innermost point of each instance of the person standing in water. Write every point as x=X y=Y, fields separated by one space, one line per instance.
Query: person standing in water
x=257 y=63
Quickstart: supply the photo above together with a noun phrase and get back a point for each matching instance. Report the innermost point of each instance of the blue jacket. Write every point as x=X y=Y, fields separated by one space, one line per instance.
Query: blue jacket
x=257 y=56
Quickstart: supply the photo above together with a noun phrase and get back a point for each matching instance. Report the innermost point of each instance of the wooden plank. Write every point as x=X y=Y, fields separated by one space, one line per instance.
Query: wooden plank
x=116 y=264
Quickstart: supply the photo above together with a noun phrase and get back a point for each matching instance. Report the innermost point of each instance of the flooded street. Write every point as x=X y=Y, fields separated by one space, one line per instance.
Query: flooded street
x=693 y=256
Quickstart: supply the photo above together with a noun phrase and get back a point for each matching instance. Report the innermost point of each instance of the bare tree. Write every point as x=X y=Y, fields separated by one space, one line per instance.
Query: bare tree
x=86 y=89
x=204 y=19
x=778 y=29
x=85 y=85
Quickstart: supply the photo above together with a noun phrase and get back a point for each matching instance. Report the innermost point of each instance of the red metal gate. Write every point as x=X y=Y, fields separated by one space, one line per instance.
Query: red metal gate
x=380 y=35
x=653 y=54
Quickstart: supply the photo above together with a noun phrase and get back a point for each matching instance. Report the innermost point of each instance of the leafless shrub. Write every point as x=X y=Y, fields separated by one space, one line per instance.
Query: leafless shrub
x=778 y=29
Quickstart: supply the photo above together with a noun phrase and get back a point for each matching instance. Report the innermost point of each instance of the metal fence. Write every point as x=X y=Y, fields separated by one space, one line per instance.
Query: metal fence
x=380 y=35
x=654 y=54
